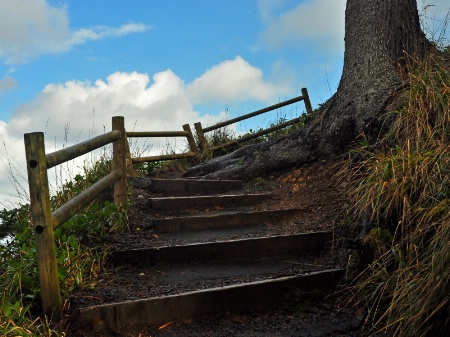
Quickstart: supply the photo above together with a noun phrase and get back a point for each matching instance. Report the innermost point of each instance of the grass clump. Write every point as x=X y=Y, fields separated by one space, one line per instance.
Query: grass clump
x=402 y=185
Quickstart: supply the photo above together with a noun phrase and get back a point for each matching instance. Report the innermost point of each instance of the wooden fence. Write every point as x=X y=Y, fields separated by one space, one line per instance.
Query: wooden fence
x=194 y=151
x=201 y=131
x=45 y=221
x=38 y=162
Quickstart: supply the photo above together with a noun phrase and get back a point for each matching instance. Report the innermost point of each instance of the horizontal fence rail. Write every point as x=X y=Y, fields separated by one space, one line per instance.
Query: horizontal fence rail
x=257 y=134
x=74 y=205
x=185 y=133
x=201 y=131
x=75 y=151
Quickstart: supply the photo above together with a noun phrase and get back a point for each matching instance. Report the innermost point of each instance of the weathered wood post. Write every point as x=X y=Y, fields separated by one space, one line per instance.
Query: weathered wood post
x=190 y=139
x=308 y=106
x=201 y=136
x=43 y=225
x=119 y=161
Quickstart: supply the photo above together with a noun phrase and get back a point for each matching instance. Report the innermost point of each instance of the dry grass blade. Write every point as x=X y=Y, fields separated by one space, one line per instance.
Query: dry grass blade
x=403 y=187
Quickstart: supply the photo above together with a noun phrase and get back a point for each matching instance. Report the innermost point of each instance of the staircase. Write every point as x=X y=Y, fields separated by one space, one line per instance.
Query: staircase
x=212 y=250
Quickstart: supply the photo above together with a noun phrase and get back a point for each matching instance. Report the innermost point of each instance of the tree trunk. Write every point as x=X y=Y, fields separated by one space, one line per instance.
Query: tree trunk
x=381 y=36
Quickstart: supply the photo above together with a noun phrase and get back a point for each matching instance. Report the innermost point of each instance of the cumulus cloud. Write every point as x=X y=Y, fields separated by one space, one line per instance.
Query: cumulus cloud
x=231 y=81
x=317 y=24
x=156 y=105
x=29 y=28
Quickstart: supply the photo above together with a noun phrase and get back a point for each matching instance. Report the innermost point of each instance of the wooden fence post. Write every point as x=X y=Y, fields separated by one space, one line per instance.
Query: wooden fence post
x=43 y=225
x=119 y=161
x=190 y=138
x=201 y=136
x=308 y=106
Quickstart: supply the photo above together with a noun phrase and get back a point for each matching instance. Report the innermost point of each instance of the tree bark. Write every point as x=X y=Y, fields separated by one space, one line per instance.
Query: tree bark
x=381 y=37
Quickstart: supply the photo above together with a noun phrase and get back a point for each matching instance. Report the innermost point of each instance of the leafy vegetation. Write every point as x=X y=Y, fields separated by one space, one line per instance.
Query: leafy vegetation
x=80 y=255
x=402 y=187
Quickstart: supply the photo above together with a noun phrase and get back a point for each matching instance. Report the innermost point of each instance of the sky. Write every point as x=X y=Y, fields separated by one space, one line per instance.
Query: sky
x=68 y=66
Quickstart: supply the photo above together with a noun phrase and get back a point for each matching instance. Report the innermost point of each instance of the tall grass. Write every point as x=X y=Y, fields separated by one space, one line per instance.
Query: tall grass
x=403 y=187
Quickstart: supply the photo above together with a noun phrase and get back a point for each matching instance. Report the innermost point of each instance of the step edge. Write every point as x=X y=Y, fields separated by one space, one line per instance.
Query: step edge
x=232 y=286
x=228 y=241
x=230 y=213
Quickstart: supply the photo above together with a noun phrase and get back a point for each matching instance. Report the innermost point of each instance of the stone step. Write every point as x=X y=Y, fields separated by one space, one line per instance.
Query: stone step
x=175 y=187
x=242 y=297
x=253 y=248
x=179 y=205
x=221 y=220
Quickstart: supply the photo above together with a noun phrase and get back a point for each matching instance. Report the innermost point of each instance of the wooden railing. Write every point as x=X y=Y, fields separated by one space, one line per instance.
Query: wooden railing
x=201 y=131
x=45 y=221
x=194 y=151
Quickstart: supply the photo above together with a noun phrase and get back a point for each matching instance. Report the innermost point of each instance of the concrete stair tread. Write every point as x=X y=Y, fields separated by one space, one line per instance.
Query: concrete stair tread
x=221 y=196
x=221 y=219
x=193 y=186
x=209 y=235
x=233 y=297
x=185 y=204
x=234 y=249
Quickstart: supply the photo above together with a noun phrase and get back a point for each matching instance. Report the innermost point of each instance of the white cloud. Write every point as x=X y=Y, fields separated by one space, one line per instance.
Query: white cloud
x=29 y=28
x=83 y=35
x=316 y=24
x=7 y=83
x=234 y=80
x=12 y=160
x=156 y=105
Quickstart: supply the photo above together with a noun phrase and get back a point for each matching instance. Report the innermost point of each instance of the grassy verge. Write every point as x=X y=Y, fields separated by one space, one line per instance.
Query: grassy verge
x=402 y=188
x=80 y=255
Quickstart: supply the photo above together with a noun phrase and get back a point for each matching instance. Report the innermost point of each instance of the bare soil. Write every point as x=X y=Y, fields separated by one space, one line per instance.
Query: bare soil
x=315 y=188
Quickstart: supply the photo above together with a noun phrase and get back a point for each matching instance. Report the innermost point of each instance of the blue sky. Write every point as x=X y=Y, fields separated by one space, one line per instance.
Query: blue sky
x=73 y=64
